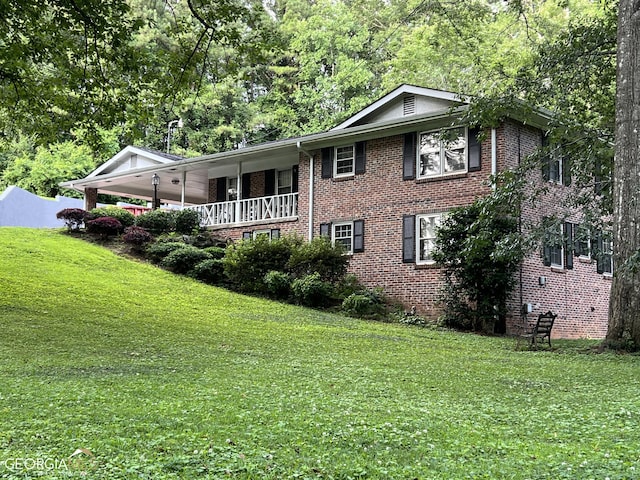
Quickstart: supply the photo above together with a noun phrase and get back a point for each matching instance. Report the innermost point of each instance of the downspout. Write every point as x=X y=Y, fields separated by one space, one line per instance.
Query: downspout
x=311 y=166
x=494 y=157
x=184 y=187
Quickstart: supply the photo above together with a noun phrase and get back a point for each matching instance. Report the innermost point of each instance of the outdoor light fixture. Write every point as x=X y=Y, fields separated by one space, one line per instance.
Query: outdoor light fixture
x=155 y=181
x=179 y=124
x=175 y=181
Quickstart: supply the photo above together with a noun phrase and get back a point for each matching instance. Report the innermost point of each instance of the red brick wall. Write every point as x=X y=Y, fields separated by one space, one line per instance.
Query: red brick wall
x=579 y=296
x=381 y=197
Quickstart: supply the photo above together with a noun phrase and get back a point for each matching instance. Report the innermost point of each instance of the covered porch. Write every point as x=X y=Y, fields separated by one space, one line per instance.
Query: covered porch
x=248 y=186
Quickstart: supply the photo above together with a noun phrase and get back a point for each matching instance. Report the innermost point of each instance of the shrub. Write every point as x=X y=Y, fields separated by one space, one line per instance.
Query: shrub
x=186 y=221
x=157 y=221
x=215 y=252
x=136 y=236
x=311 y=291
x=209 y=271
x=125 y=217
x=157 y=251
x=247 y=262
x=73 y=218
x=104 y=226
x=206 y=238
x=278 y=284
x=365 y=304
x=183 y=260
x=319 y=256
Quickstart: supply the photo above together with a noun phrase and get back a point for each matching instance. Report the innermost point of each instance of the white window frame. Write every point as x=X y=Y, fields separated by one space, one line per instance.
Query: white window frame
x=256 y=233
x=338 y=227
x=280 y=186
x=579 y=230
x=352 y=159
x=553 y=249
x=441 y=150
x=420 y=248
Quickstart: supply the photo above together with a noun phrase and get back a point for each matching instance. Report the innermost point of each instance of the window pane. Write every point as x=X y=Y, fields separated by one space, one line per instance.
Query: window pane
x=344 y=160
x=429 y=154
x=427 y=234
x=284 y=182
x=232 y=188
x=454 y=151
x=342 y=234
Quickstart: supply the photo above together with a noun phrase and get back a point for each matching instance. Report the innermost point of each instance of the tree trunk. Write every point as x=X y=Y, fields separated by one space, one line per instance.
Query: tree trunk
x=624 y=306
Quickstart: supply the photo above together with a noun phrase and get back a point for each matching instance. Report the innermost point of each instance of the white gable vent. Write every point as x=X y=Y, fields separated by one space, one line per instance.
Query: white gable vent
x=409 y=105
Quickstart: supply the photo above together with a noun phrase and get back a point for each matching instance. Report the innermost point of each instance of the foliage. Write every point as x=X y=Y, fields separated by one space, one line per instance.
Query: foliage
x=209 y=271
x=156 y=252
x=480 y=248
x=215 y=252
x=104 y=226
x=200 y=367
x=248 y=261
x=320 y=256
x=157 y=221
x=312 y=291
x=367 y=303
x=136 y=236
x=183 y=260
x=186 y=221
x=42 y=172
x=125 y=217
x=278 y=284
x=73 y=218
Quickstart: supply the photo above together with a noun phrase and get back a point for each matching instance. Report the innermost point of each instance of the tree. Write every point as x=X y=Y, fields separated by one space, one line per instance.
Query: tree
x=624 y=307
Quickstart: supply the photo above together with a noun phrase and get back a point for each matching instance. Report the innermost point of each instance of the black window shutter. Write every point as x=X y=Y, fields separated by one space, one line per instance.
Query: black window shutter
x=546 y=249
x=325 y=229
x=409 y=238
x=361 y=157
x=475 y=150
x=546 y=158
x=409 y=156
x=246 y=235
x=327 y=162
x=358 y=236
x=246 y=185
x=221 y=189
x=599 y=249
x=566 y=170
x=568 y=245
x=269 y=182
x=275 y=233
x=294 y=178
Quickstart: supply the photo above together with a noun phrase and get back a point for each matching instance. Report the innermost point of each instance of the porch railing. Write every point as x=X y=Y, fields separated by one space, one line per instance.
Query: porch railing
x=250 y=210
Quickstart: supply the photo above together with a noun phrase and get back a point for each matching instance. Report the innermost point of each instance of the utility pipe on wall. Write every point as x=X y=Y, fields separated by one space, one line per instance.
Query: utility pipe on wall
x=494 y=156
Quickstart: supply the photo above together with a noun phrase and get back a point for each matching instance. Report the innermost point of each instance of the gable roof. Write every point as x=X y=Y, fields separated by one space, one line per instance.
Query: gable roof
x=131 y=158
x=391 y=106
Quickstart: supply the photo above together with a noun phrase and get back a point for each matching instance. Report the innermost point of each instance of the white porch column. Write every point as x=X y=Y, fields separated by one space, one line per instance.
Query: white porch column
x=184 y=188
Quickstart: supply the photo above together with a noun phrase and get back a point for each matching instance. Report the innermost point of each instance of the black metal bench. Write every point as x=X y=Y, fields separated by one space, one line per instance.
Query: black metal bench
x=542 y=329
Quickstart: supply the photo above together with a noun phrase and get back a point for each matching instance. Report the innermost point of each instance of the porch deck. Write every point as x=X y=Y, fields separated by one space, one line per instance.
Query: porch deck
x=250 y=210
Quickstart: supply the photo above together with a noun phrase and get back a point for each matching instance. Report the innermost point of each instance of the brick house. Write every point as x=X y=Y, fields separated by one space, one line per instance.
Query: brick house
x=379 y=183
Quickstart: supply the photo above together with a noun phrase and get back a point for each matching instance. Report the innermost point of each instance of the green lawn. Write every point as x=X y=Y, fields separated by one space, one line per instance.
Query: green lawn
x=162 y=377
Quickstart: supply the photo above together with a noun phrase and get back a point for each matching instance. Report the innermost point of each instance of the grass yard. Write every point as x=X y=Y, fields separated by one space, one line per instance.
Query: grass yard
x=161 y=377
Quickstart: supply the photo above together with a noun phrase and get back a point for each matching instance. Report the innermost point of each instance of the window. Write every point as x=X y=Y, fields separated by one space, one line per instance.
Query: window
x=349 y=234
x=583 y=241
x=442 y=153
x=344 y=161
x=555 y=167
x=232 y=188
x=427 y=228
x=285 y=181
x=558 y=244
x=269 y=234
